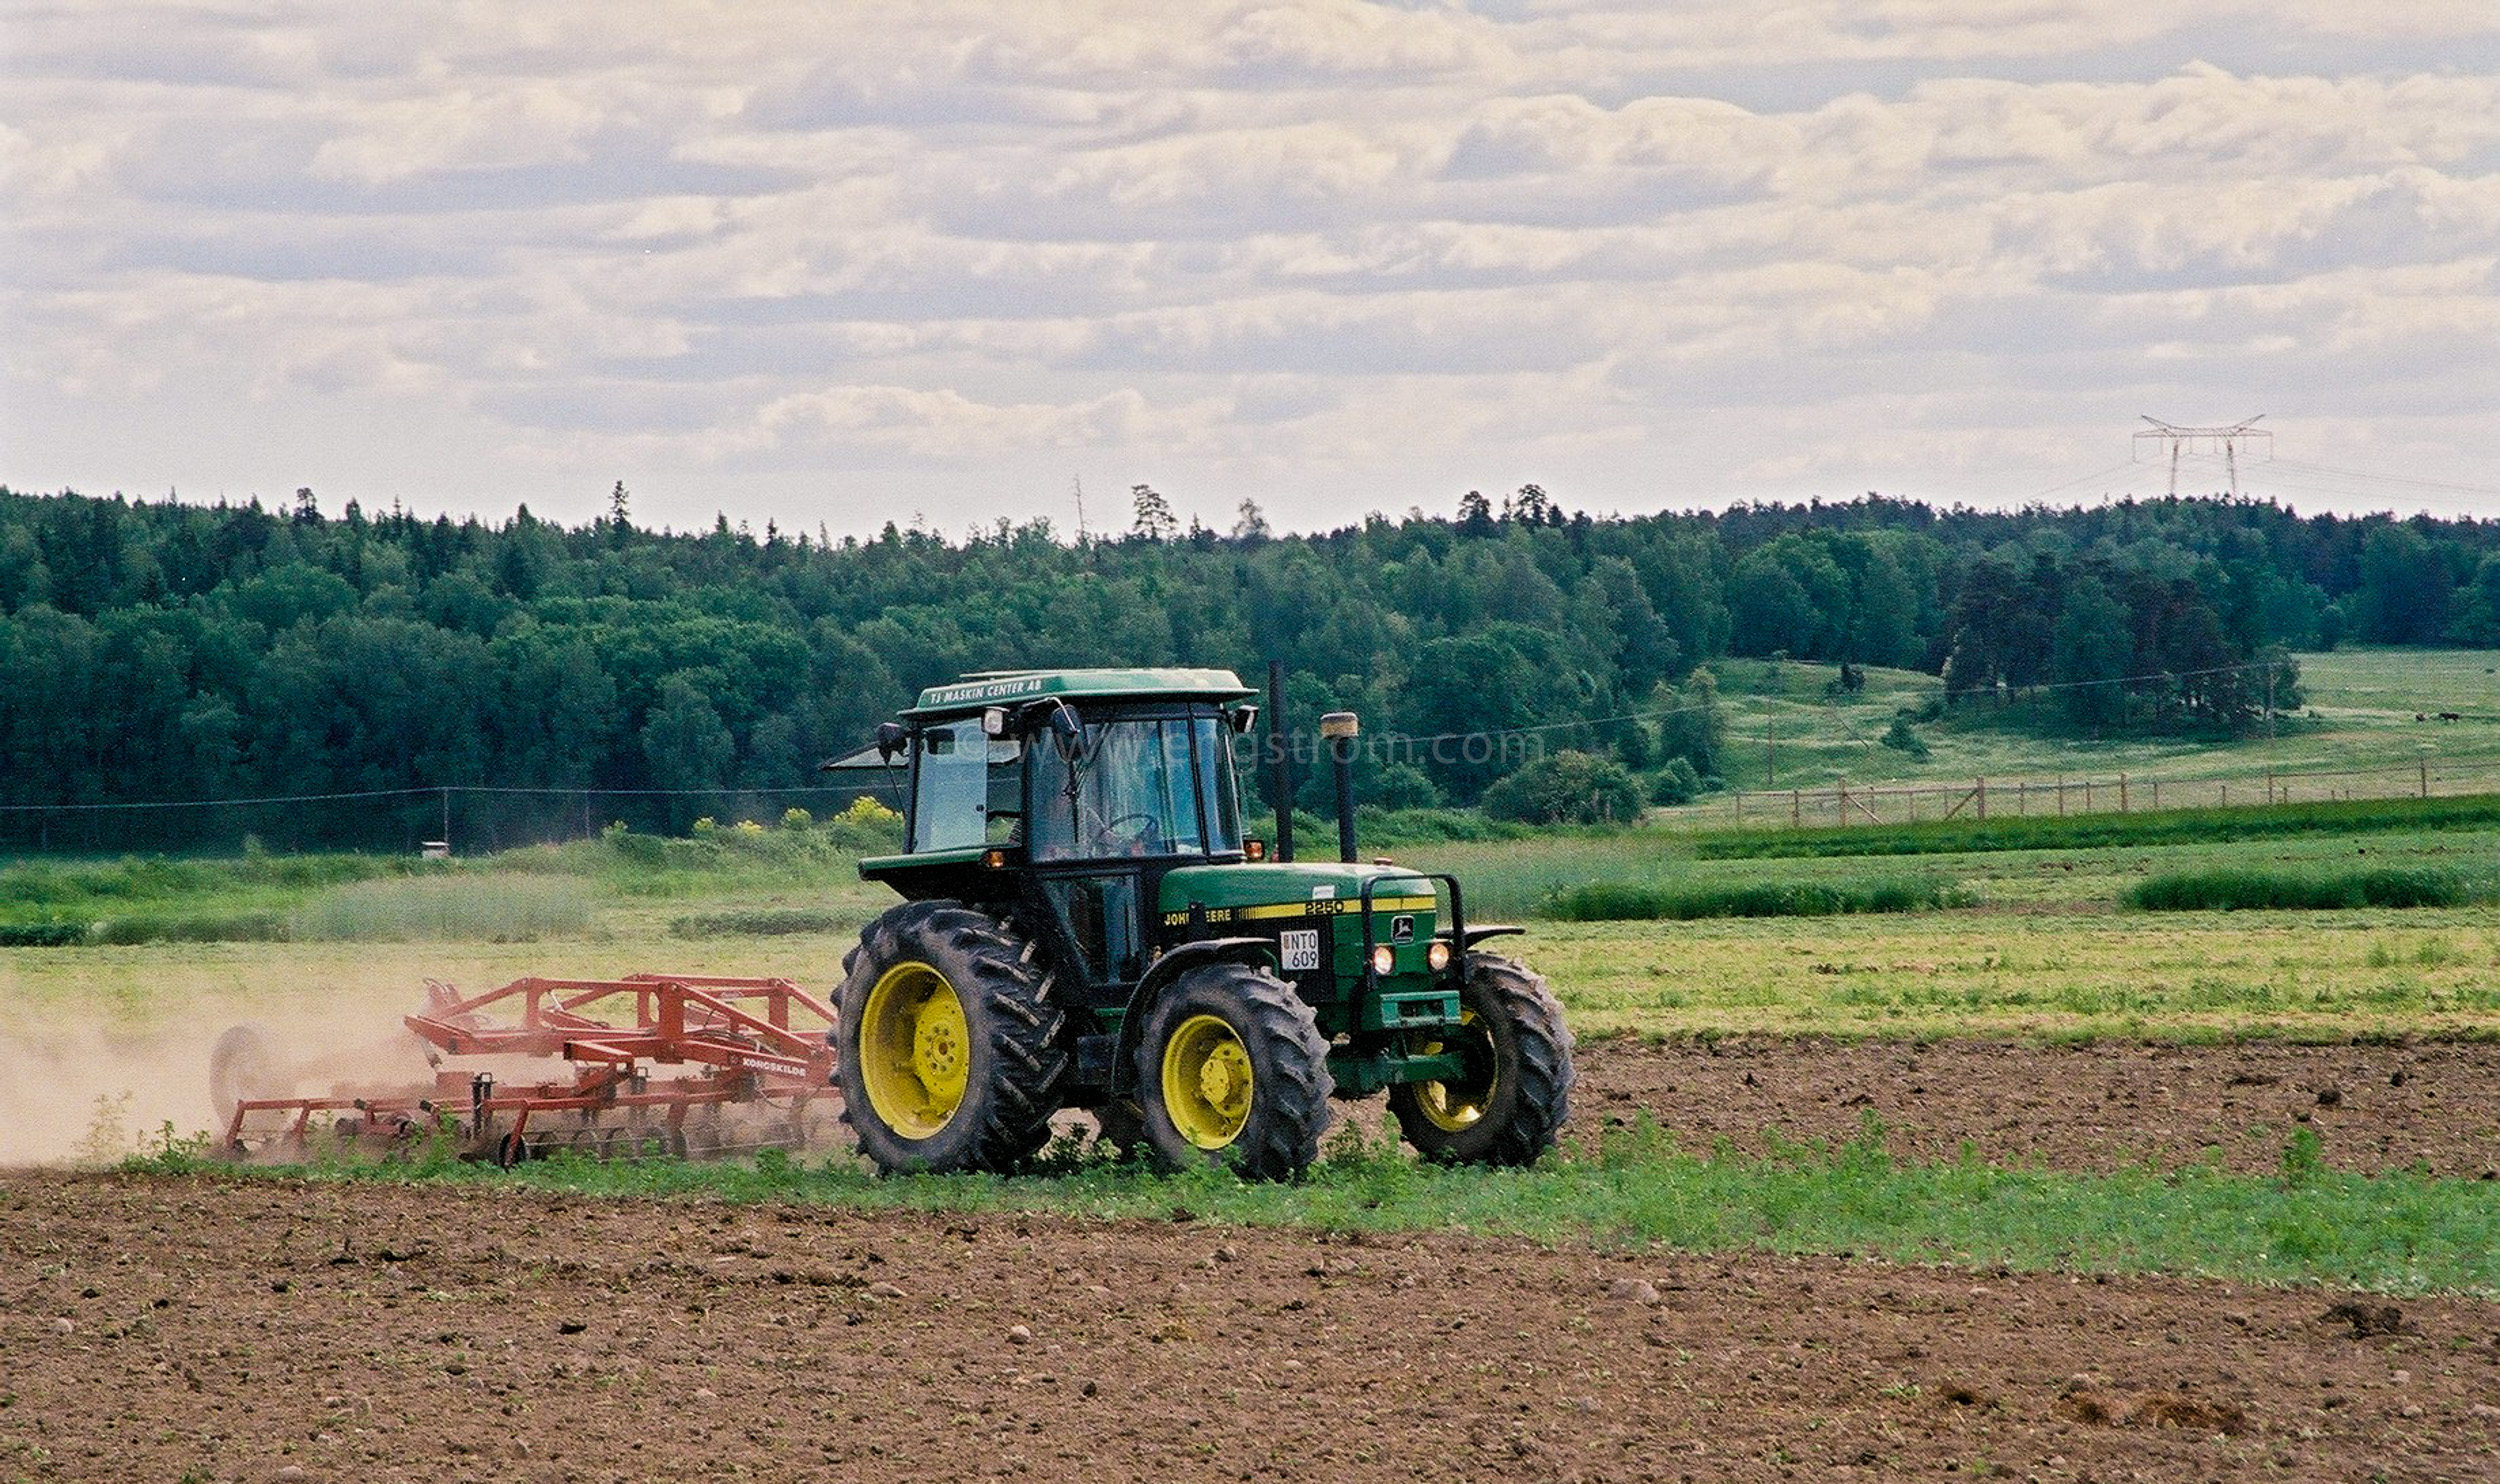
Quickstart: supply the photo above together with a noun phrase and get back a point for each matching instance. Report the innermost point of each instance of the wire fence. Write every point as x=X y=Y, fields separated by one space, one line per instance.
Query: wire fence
x=1843 y=805
x=454 y=819
x=479 y=819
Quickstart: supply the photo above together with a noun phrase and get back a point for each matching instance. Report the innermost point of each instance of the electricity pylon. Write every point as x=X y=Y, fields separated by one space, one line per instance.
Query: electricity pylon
x=2224 y=441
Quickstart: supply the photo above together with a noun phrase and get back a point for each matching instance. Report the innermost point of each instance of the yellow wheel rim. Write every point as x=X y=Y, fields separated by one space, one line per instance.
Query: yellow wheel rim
x=915 y=1051
x=1452 y=1108
x=1207 y=1081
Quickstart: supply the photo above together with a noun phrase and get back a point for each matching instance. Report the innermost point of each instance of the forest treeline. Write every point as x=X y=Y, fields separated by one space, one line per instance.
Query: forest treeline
x=168 y=650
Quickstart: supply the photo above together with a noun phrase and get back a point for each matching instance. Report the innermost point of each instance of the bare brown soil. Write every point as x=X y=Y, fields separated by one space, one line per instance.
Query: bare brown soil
x=2432 y=1104
x=260 y=1331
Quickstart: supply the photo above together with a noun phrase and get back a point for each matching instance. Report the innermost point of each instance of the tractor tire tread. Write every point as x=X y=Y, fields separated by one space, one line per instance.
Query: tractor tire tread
x=1025 y=1039
x=1283 y=1145
x=1542 y=1103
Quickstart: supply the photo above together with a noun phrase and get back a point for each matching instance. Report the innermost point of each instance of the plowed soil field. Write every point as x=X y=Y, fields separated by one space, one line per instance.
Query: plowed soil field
x=258 y=1330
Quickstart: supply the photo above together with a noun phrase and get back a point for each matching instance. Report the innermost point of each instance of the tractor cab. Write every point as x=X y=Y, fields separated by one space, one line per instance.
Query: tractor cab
x=1087 y=924
x=1080 y=790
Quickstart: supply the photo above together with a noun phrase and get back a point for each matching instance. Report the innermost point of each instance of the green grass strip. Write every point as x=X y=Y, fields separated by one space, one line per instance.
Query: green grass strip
x=2396 y=1233
x=2239 y=888
x=2083 y=831
x=762 y=922
x=1631 y=901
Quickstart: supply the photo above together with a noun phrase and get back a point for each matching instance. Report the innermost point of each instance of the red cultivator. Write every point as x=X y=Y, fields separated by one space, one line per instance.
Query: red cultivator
x=753 y=1079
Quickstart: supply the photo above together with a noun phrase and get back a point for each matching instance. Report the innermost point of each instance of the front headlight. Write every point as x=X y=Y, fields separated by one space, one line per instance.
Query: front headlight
x=1437 y=957
x=1384 y=959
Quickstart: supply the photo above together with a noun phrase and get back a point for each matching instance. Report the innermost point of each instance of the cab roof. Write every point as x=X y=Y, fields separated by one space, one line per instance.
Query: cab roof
x=985 y=688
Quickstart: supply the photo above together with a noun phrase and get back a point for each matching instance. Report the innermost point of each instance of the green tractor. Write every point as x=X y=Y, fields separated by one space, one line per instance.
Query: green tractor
x=1087 y=925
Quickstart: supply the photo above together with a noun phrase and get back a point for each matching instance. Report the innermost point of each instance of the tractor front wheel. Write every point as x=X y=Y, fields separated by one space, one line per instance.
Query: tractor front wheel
x=1231 y=1068
x=1511 y=1100
x=948 y=1044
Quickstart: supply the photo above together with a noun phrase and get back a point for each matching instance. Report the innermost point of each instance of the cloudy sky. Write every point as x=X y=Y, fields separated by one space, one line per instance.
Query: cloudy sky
x=835 y=263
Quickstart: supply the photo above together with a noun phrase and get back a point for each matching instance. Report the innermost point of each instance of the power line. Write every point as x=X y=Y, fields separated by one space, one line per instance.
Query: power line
x=373 y=793
x=2428 y=484
x=2096 y=475
x=432 y=792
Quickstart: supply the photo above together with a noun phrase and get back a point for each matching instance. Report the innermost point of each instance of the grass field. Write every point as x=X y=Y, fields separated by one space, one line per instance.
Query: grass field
x=1788 y=727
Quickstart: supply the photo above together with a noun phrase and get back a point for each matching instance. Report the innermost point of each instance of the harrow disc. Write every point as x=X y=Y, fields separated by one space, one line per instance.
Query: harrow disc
x=244 y=1065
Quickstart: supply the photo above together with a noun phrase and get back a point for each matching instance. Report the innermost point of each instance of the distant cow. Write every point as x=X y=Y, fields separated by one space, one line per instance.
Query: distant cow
x=2418 y=716
x=2450 y=716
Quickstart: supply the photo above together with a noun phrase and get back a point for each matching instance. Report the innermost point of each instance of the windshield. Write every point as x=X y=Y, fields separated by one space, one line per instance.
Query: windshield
x=1137 y=791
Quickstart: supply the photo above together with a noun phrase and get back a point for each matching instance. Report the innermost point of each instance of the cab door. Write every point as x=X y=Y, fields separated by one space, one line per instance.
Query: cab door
x=1104 y=826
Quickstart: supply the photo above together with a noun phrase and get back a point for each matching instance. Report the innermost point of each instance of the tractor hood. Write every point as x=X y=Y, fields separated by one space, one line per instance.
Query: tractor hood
x=1299 y=889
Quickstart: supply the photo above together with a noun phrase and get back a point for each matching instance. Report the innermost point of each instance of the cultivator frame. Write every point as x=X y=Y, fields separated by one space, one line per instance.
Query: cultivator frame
x=738 y=1032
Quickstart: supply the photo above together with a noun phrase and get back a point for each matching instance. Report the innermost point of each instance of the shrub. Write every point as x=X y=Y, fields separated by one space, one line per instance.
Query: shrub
x=197 y=927
x=640 y=850
x=867 y=827
x=2235 y=888
x=1676 y=783
x=1567 y=788
x=1401 y=786
x=1632 y=901
x=1901 y=739
x=866 y=812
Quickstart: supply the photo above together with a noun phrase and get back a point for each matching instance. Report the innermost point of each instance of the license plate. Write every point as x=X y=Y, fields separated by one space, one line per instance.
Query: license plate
x=1301 y=949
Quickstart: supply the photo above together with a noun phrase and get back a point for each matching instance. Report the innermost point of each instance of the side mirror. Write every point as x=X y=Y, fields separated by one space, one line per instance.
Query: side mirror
x=1243 y=719
x=891 y=736
x=1068 y=731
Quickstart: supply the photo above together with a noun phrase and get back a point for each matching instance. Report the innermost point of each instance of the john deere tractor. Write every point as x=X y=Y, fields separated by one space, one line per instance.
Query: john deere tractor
x=1087 y=925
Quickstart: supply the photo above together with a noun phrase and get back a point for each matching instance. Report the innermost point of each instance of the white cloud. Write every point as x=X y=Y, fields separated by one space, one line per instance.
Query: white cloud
x=1663 y=254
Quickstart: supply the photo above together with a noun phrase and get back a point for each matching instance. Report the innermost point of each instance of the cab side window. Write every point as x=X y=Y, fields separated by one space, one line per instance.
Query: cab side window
x=950 y=803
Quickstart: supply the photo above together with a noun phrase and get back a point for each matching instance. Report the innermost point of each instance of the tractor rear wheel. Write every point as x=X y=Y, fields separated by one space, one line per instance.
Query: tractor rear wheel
x=948 y=1043
x=1232 y=1068
x=1508 y=1105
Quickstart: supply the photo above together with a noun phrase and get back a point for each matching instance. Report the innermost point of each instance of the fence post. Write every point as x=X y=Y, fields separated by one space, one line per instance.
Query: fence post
x=2424 y=764
x=1844 y=803
x=2022 y=799
x=1796 y=808
x=2156 y=796
x=2122 y=793
x=1983 y=797
x=2061 y=796
x=2087 y=796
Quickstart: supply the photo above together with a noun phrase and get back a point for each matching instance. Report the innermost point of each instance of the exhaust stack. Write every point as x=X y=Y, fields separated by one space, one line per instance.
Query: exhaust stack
x=1341 y=728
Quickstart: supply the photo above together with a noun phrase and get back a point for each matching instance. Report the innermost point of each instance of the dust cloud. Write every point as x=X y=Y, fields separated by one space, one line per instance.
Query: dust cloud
x=88 y=1092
